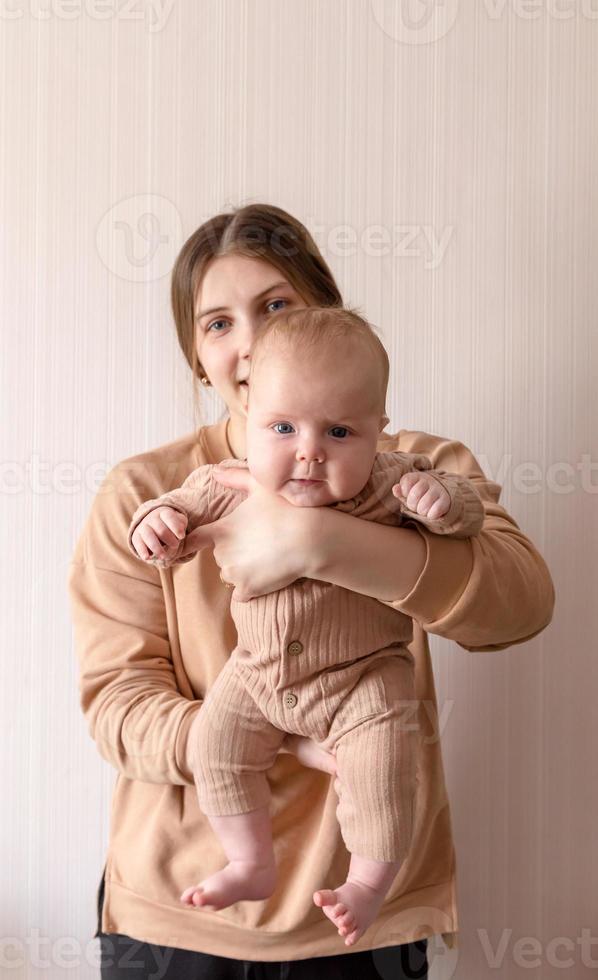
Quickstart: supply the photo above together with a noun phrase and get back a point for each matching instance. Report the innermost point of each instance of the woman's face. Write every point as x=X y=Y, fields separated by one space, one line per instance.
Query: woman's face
x=235 y=298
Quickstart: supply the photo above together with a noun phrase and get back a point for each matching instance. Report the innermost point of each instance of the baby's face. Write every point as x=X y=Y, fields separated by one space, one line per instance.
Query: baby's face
x=312 y=422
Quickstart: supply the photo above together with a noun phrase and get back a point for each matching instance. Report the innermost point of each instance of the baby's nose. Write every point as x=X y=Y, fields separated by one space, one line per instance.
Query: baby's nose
x=309 y=455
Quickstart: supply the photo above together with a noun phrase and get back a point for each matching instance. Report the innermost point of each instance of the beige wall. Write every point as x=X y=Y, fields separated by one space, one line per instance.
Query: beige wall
x=447 y=166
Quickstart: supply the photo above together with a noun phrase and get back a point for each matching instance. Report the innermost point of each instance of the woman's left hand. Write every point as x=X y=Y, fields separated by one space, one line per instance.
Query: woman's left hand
x=311 y=754
x=264 y=544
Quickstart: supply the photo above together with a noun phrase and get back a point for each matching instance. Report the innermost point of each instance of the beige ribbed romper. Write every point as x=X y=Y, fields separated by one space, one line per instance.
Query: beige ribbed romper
x=321 y=661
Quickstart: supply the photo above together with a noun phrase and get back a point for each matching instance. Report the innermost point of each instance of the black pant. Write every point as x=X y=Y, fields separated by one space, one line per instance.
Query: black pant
x=123 y=957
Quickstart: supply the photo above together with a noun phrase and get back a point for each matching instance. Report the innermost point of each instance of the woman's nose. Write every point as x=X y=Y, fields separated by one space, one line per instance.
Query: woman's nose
x=247 y=337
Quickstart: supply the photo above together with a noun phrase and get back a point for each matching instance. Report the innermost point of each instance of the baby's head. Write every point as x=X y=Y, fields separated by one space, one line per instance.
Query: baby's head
x=316 y=405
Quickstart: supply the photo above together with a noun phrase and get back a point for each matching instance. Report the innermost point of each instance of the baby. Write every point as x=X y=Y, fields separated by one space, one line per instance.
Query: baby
x=312 y=659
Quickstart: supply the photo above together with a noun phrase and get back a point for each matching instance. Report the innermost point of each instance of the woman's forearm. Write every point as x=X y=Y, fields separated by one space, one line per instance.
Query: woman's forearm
x=373 y=559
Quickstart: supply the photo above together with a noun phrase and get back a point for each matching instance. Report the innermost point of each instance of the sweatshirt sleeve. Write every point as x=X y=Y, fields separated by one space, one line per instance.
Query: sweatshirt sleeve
x=134 y=693
x=485 y=592
x=191 y=499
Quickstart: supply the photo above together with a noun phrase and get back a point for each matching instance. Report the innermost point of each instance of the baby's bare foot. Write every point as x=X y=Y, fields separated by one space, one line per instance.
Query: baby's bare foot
x=238 y=881
x=352 y=908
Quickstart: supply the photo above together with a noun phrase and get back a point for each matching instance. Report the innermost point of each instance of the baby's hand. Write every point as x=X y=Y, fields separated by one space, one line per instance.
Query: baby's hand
x=159 y=533
x=423 y=494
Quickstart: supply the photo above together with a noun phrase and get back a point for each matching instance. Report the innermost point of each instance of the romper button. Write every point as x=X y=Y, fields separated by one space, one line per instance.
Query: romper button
x=290 y=700
x=295 y=647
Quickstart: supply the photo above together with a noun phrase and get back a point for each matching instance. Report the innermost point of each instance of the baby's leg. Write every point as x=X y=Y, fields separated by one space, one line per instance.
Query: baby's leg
x=251 y=870
x=235 y=746
x=375 y=756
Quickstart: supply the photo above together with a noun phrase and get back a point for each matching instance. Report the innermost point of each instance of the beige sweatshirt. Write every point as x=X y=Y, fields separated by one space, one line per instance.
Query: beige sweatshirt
x=151 y=642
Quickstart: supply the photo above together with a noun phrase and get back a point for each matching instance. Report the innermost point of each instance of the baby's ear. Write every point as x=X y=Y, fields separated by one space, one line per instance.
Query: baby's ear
x=384 y=422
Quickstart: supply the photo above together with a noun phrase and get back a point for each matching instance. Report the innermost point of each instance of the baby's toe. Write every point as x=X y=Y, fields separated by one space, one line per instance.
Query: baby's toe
x=338 y=912
x=346 y=921
x=325 y=896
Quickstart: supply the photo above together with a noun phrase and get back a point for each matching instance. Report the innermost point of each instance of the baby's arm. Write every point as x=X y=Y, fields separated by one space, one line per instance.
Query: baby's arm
x=158 y=528
x=445 y=503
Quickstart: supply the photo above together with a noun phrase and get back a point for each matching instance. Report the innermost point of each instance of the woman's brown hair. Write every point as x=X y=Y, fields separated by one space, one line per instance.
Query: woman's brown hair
x=258 y=231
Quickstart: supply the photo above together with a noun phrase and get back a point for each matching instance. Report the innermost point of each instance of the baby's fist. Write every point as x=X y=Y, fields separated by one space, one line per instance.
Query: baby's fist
x=159 y=534
x=423 y=494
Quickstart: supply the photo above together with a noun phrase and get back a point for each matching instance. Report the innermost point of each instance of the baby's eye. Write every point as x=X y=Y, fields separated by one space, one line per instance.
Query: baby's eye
x=288 y=425
x=339 y=428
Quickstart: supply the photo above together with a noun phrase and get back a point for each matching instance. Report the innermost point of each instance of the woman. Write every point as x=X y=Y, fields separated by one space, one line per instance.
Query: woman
x=152 y=641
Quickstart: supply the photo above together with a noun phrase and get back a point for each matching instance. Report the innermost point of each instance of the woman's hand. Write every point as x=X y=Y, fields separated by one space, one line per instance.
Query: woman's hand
x=309 y=753
x=264 y=544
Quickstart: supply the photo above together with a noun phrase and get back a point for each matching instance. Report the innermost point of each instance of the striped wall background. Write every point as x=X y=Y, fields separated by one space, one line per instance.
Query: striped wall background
x=444 y=155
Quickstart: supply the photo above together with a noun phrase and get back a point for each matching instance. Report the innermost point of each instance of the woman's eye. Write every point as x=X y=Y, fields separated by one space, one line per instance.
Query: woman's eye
x=288 y=425
x=274 y=301
x=339 y=428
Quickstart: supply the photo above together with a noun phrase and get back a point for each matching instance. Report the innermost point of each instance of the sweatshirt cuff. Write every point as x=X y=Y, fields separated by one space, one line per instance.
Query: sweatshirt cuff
x=182 y=751
x=442 y=581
